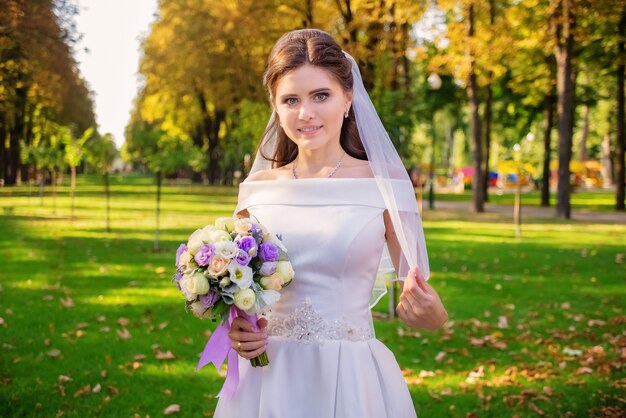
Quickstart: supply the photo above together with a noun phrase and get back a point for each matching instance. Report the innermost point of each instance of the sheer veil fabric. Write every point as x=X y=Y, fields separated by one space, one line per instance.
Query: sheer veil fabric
x=391 y=178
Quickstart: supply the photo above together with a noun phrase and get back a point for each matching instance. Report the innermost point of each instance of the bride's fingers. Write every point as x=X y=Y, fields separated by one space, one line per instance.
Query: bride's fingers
x=253 y=354
x=248 y=346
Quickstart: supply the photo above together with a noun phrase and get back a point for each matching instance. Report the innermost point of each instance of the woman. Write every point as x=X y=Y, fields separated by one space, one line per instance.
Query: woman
x=328 y=180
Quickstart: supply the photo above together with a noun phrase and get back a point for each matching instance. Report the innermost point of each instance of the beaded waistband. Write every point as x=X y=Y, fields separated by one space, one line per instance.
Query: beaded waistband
x=306 y=325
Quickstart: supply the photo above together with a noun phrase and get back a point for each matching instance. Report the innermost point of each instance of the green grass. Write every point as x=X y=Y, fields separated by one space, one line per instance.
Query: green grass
x=69 y=289
x=597 y=200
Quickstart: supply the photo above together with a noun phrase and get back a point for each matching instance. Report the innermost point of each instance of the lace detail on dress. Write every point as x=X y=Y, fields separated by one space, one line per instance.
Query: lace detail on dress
x=306 y=325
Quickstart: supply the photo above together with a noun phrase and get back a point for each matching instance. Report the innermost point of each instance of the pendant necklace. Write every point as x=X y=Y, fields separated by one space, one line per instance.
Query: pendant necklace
x=334 y=170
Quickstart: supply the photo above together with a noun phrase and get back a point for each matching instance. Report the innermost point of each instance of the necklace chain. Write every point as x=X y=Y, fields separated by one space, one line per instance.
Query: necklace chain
x=334 y=170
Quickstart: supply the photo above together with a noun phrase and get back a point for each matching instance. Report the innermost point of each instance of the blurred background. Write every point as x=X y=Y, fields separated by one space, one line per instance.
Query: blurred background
x=126 y=125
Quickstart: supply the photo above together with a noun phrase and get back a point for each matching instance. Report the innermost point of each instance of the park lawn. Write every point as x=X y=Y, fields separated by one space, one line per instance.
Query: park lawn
x=596 y=200
x=91 y=325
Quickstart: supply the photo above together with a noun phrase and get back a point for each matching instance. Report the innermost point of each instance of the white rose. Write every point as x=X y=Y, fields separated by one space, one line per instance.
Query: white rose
x=195 y=241
x=245 y=298
x=225 y=223
x=226 y=249
x=184 y=258
x=200 y=311
x=242 y=226
x=241 y=275
x=219 y=235
x=191 y=266
x=273 y=282
x=285 y=270
x=186 y=287
x=198 y=284
x=225 y=282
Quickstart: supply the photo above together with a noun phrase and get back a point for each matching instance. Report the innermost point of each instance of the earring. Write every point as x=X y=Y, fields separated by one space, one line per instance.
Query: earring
x=345 y=115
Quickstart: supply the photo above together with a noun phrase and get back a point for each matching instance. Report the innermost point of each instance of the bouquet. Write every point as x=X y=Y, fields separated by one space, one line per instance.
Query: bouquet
x=234 y=267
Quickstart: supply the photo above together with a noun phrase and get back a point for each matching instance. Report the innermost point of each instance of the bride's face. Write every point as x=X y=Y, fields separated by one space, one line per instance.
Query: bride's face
x=311 y=103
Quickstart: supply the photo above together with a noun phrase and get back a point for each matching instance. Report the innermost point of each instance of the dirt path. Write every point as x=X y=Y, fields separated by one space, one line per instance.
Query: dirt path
x=537 y=212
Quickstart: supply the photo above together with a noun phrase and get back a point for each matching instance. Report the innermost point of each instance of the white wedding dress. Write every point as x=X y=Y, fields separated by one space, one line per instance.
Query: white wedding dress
x=324 y=359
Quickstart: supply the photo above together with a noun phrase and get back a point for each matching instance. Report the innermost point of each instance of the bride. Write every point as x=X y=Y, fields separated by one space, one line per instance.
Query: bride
x=329 y=181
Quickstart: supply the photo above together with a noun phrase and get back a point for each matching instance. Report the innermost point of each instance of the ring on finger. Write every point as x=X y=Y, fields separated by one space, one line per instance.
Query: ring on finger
x=238 y=345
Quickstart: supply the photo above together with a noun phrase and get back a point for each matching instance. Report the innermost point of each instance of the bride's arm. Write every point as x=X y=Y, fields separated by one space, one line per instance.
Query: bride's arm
x=420 y=305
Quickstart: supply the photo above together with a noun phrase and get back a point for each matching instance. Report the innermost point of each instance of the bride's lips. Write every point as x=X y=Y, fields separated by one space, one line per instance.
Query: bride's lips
x=310 y=130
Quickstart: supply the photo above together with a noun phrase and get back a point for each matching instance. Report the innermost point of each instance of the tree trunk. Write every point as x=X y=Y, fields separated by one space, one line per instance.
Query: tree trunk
x=72 y=190
x=564 y=52
x=211 y=127
x=487 y=141
x=621 y=141
x=198 y=141
x=488 y=100
x=472 y=91
x=585 y=134
x=348 y=20
x=548 y=118
x=107 y=194
x=159 y=180
x=4 y=160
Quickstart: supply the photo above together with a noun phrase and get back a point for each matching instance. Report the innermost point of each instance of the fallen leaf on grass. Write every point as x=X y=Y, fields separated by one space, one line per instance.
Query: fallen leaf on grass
x=165 y=356
x=64 y=379
x=123 y=321
x=97 y=388
x=124 y=334
x=536 y=409
x=113 y=390
x=67 y=302
x=584 y=370
x=54 y=353
x=503 y=322
x=440 y=356
x=83 y=391
x=172 y=409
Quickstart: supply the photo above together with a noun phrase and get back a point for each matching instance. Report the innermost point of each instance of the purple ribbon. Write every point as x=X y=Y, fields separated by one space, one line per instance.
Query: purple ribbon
x=219 y=347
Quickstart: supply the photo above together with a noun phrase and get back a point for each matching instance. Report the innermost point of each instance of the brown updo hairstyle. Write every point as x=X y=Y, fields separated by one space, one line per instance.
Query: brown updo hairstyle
x=318 y=48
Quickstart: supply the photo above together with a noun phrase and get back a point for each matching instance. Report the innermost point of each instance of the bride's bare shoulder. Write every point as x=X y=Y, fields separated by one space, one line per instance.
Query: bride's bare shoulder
x=270 y=174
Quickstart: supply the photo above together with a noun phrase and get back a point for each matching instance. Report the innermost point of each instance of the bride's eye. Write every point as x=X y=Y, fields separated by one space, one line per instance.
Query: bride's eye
x=320 y=97
x=290 y=101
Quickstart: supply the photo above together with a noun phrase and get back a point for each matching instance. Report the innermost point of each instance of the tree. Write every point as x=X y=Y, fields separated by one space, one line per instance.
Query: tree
x=101 y=153
x=621 y=116
x=74 y=153
x=563 y=23
x=163 y=154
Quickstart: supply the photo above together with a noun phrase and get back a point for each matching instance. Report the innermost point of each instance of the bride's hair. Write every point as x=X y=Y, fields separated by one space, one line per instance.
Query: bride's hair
x=318 y=48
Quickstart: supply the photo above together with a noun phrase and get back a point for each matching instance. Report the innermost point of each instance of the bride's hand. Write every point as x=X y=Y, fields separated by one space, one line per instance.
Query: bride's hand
x=245 y=340
x=420 y=305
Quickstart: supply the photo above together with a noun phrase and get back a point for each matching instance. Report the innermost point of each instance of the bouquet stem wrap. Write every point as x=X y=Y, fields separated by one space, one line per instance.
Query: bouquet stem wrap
x=219 y=347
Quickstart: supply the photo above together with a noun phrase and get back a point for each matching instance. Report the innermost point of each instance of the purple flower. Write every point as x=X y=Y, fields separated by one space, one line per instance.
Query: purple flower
x=181 y=249
x=242 y=257
x=176 y=279
x=209 y=299
x=268 y=251
x=248 y=244
x=204 y=254
x=268 y=268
